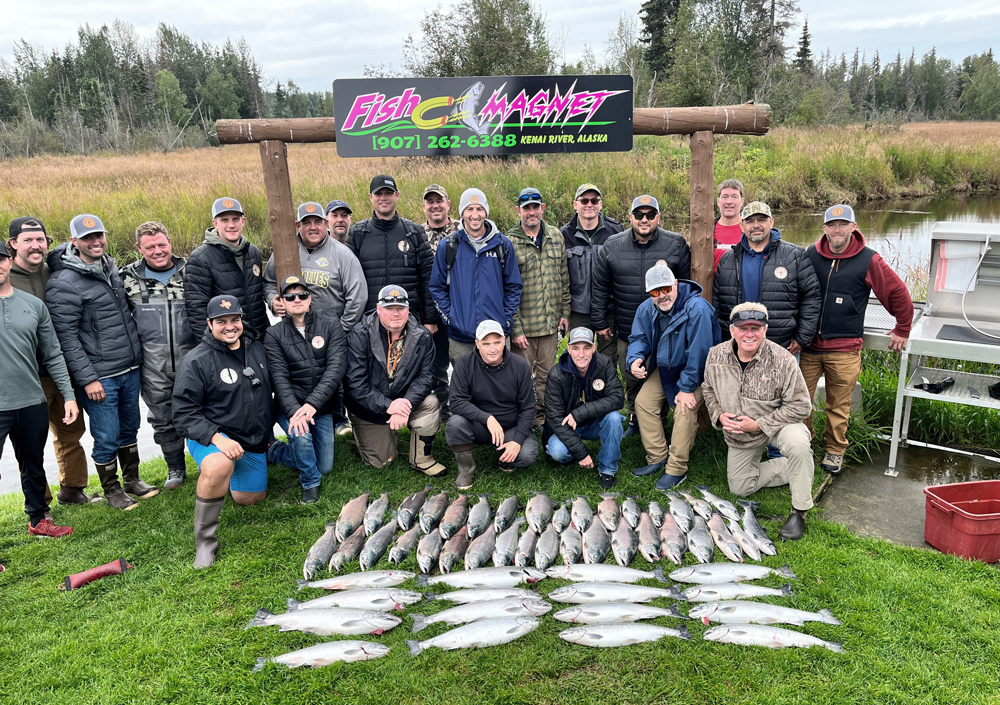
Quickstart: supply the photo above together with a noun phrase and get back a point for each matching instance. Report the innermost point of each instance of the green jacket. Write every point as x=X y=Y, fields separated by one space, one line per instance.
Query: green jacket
x=545 y=296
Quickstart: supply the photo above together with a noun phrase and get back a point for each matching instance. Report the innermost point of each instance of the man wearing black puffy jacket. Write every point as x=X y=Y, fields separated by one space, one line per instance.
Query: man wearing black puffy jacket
x=394 y=250
x=226 y=263
x=764 y=268
x=305 y=353
x=620 y=277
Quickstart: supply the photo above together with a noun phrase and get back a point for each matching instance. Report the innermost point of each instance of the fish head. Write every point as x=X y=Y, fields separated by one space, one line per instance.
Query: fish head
x=528 y=623
x=557 y=571
x=574 y=634
x=536 y=607
x=716 y=633
x=570 y=614
x=563 y=593
x=381 y=620
x=370 y=649
x=533 y=575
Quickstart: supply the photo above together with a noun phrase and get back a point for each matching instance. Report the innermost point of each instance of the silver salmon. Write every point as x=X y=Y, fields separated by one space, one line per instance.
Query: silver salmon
x=464 y=597
x=614 y=612
x=586 y=593
x=611 y=635
x=649 y=539
x=757 y=532
x=327 y=622
x=700 y=506
x=749 y=546
x=455 y=517
x=488 y=632
x=478 y=611
x=727 y=573
x=725 y=507
x=547 y=548
x=581 y=515
x=749 y=612
x=700 y=541
x=453 y=552
x=561 y=517
x=378 y=599
x=710 y=592
x=348 y=550
x=570 y=546
x=432 y=511
x=405 y=545
x=505 y=514
x=486 y=578
x=673 y=541
x=479 y=517
x=352 y=515
x=326 y=653
x=525 y=553
x=506 y=544
x=631 y=511
x=624 y=543
x=604 y=573
x=376 y=545
x=729 y=546
x=538 y=512
x=596 y=543
x=375 y=514
x=608 y=511
x=428 y=551
x=681 y=511
x=656 y=513
x=480 y=550
x=319 y=555
x=771 y=637
x=410 y=508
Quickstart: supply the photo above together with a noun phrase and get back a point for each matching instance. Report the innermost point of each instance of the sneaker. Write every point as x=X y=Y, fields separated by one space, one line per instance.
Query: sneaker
x=668 y=481
x=832 y=463
x=175 y=478
x=344 y=429
x=47 y=527
x=605 y=480
x=310 y=496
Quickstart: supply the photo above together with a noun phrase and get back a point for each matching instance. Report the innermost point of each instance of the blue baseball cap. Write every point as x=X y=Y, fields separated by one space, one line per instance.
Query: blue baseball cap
x=226 y=205
x=334 y=205
x=839 y=212
x=307 y=209
x=85 y=224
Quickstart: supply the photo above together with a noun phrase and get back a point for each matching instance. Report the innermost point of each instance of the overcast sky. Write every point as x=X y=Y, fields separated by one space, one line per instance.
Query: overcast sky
x=314 y=42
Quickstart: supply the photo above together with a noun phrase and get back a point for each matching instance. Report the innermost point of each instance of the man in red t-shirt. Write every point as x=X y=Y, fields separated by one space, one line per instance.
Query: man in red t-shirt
x=727 y=226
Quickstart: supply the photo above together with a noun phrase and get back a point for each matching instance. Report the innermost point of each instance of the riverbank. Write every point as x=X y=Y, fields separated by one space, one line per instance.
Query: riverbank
x=789 y=168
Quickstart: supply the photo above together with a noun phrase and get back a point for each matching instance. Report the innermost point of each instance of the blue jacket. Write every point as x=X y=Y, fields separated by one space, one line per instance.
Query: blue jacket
x=681 y=350
x=476 y=288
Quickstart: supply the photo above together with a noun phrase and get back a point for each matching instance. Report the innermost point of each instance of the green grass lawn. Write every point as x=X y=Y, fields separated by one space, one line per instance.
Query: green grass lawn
x=919 y=626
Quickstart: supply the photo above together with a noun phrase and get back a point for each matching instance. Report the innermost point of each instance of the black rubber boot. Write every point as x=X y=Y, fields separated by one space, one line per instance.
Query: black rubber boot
x=466 y=469
x=74 y=495
x=113 y=492
x=128 y=456
x=794 y=526
x=206 y=521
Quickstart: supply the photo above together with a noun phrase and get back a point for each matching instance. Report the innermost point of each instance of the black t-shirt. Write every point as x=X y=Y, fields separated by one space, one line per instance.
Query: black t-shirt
x=743 y=365
x=241 y=354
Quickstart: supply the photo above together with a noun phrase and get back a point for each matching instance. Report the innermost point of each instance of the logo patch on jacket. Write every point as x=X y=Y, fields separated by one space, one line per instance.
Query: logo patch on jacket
x=780 y=272
x=229 y=375
x=598 y=384
x=322 y=261
x=840 y=300
x=256 y=271
x=403 y=245
x=318 y=342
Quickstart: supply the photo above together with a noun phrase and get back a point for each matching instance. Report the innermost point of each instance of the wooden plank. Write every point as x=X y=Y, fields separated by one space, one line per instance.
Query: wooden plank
x=702 y=211
x=280 y=208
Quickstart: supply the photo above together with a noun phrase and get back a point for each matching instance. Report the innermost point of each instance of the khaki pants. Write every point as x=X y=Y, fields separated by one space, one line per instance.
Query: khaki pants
x=540 y=356
x=747 y=473
x=632 y=384
x=649 y=403
x=377 y=442
x=70 y=456
x=841 y=370
x=605 y=347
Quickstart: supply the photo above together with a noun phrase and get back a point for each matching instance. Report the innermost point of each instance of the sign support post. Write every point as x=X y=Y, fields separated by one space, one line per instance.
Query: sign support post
x=702 y=211
x=278 y=186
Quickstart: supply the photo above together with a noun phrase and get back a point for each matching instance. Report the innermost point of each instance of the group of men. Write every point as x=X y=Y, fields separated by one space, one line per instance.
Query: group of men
x=379 y=312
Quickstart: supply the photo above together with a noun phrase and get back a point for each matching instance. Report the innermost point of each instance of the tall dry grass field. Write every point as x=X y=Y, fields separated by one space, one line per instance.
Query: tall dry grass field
x=788 y=168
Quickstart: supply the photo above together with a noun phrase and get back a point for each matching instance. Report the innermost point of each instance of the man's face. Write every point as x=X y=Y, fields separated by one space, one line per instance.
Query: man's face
x=156 y=250
x=491 y=348
x=91 y=246
x=474 y=217
x=531 y=214
x=312 y=230
x=295 y=304
x=226 y=329
x=393 y=318
x=30 y=248
x=641 y=223
x=838 y=234
x=757 y=227
x=749 y=337
x=229 y=225
x=664 y=297
x=5 y=265
x=581 y=354
x=730 y=202
x=384 y=202
x=436 y=209
x=588 y=205
x=339 y=222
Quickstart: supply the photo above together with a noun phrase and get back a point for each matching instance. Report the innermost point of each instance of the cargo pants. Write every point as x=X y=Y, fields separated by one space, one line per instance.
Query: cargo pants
x=747 y=473
x=377 y=443
x=649 y=404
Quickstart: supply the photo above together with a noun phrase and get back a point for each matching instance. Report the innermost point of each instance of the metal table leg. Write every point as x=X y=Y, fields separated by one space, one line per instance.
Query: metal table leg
x=897 y=413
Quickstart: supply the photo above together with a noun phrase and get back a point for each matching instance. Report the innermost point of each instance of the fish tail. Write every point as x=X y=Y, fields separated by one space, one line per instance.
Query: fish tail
x=431 y=596
x=674 y=612
x=676 y=593
x=786 y=590
x=422 y=580
x=261 y=662
x=293 y=605
x=259 y=620
x=834 y=646
x=828 y=617
x=704 y=487
x=302 y=584
x=658 y=572
x=786 y=572
x=415 y=647
x=683 y=632
x=419 y=622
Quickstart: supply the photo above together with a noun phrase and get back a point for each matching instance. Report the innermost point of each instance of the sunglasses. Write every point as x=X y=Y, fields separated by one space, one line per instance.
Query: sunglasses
x=249 y=373
x=588 y=201
x=661 y=291
x=297 y=296
x=751 y=316
x=529 y=197
x=645 y=215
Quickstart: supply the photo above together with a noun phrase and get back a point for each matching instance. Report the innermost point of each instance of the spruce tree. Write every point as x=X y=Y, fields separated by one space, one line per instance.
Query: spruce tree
x=803 y=57
x=657 y=34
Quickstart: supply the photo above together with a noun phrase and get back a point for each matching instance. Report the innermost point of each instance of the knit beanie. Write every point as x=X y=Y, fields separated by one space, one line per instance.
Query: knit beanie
x=473 y=196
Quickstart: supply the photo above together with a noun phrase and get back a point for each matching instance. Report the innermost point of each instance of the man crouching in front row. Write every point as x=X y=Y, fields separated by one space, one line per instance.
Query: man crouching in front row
x=756 y=395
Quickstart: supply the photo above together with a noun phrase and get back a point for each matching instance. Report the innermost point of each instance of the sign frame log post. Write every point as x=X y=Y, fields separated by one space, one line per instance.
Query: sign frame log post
x=702 y=210
x=280 y=208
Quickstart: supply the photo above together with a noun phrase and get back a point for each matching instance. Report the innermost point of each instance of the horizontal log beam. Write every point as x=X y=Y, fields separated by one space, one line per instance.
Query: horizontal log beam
x=748 y=119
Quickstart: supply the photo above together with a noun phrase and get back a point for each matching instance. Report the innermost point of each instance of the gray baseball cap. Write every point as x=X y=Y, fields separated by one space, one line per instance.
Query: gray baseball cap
x=582 y=335
x=839 y=212
x=309 y=208
x=226 y=205
x=488 y=326
x=85 y=224
x=393 y=295
x=645 y=200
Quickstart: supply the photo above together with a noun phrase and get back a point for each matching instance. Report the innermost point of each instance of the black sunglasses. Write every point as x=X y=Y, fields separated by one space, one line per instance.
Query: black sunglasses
x=529 y=197
x=645 y=215
x=249 y=373
x=298 y=295
x=588 y=201
x=750 y=316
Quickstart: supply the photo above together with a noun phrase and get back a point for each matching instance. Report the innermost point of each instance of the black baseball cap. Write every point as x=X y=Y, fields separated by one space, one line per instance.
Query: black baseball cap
x=224 y=305
x=17 y=225
x=290 y=281
x=383 y=181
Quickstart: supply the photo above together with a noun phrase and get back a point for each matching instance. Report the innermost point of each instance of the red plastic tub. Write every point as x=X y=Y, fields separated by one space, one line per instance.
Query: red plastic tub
x=963 y=519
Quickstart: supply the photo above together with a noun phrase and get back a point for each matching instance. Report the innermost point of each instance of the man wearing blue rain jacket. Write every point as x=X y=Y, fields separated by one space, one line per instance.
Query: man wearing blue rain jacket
x=475 y=276
x=672 y=333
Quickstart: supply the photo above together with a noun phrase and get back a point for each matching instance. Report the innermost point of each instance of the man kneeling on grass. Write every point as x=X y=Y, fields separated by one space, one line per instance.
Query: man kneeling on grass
x=222 y=406
x=756 y=395
x=492 y=401
x=584 y=400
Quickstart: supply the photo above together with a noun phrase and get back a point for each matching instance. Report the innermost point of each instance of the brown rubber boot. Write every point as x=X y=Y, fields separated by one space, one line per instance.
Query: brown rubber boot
x=74 y=495
x=466 y=469
x=113 y=492
x=421 y=458
x=206 y=521
x=128 y=456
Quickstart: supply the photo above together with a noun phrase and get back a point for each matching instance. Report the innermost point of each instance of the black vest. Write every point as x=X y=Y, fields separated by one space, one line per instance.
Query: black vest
x=845 y=293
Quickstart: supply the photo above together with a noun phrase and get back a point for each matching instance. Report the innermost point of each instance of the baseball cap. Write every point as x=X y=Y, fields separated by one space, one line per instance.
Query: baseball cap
x=582 y=335
x=226 y=205
x=383 y=181
x=488 y=326
x=529 y=195
x=839 y=212
x=748 y=317
x=307 y=209
x=224 y=305
x=755 y=208
x=435 y=188
x=658 y=276
x=393 y=295
x=17 y=225
x=85 y=224
x=334 y=205
x=647 y=201
x=473 y=196
x=290 y=281
x=5 y=253
x=584 y=188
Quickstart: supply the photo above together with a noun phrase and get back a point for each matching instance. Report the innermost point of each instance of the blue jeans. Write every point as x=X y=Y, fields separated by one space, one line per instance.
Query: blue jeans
x=608 y=429
x=311 y=454
x=114 y=422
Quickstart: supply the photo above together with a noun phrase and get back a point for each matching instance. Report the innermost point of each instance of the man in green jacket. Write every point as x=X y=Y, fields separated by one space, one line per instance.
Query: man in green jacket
x=545 y=297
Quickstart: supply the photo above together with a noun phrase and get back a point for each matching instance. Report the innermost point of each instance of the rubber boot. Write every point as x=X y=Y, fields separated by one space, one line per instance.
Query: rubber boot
x=794 y=526
x=176 y=468
x=74 y=495
x=113 y=492
x=206 y=521
x=466 y=468
x=421 y=458
x=128 y=456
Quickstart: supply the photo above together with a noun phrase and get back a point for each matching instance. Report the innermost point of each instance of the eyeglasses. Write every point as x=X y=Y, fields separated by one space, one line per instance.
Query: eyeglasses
x=250 y=374
x=750 y=315
x=296 y=296
x=661 y=291
x=645 y=215
x=588 y=201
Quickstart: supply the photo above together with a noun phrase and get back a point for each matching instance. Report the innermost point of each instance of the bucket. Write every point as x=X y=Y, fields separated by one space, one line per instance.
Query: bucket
x=963 y=519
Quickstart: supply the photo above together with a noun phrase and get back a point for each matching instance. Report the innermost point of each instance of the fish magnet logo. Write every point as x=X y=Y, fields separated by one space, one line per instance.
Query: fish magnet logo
x=89 y=222
x=310 y=208
x=292 y=280
x=598 y=384
x=322 y=261
x=228 y=375
x=318 y=342
x=256 y=271
x=474 y=199
x=780 y=272
x=393 y=293
x=837 y=211
x=228 y=203
x=403 y=245
x=644 y=200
